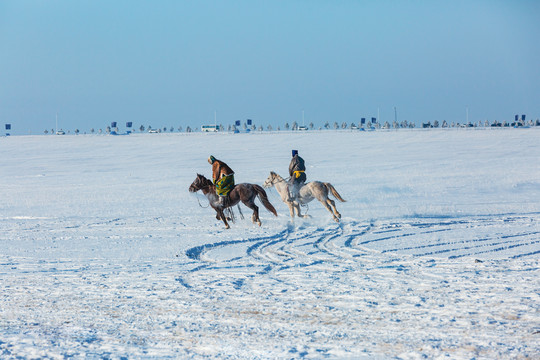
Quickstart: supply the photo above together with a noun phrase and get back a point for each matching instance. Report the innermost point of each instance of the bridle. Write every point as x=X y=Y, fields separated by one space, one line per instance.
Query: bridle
x=276 y=179
x=197 y=185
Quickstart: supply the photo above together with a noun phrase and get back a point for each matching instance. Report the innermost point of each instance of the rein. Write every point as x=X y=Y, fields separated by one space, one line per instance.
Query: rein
x=278 y=179
x=201 y=188
x=204 y=207
x=228 y=210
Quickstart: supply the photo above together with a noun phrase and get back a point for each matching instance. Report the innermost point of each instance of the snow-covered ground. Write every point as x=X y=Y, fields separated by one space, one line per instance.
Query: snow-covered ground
x=105 y=253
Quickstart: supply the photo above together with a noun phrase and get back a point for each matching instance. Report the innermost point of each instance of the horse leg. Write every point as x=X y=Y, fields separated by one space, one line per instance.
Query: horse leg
x=221 y=215
x=325 y=204
x=255 y=216
x=291 y=209
x=333 y=204
x=255 y=208
x=298 y=211
x=300 y=214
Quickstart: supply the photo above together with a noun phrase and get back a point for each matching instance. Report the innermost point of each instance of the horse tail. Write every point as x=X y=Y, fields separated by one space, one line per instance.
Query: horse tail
x=334 y=192
x=264 y=199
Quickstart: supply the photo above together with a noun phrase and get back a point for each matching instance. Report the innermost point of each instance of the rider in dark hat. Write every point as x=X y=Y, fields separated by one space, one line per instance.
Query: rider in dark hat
x=223 y=178
x=297 y=172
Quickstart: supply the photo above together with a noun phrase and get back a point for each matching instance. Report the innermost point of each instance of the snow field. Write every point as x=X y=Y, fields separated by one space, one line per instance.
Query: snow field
x=105 y=254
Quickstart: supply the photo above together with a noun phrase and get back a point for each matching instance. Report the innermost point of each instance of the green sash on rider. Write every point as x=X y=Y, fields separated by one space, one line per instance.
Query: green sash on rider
x=224 y=185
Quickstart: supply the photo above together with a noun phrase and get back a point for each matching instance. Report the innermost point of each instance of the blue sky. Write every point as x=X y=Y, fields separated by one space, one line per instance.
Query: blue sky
x=175 y=63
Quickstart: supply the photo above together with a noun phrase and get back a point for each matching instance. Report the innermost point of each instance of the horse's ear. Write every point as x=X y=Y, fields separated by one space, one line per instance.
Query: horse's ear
x=272 y=173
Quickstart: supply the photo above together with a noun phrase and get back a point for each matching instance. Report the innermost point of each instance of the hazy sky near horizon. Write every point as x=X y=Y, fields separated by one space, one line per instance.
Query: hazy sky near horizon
x=176 y=63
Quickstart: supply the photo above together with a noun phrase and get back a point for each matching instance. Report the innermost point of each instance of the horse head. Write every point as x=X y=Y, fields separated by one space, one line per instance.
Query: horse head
x=199 y=183
x=271 y=180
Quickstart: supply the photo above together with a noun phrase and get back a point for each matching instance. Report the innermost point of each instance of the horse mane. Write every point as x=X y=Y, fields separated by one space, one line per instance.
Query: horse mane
x=204 y=180
x=276 y=175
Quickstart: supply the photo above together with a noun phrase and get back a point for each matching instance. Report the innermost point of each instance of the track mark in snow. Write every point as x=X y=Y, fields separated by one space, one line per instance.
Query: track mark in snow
x=334 y=247
x=196 y=252
x=499 y=236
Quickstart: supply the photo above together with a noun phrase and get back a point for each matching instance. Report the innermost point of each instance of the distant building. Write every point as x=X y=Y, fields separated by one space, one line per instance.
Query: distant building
x=210 y=128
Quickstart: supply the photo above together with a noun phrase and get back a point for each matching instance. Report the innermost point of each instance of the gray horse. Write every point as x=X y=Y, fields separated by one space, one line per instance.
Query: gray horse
x=312 y=190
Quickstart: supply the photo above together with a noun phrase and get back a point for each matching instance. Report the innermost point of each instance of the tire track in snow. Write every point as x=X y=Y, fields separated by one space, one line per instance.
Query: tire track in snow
x=287 y=249
x=500 y=236
x=197 y=252
x=348 y=240
x=330 y=248
x=483 y=242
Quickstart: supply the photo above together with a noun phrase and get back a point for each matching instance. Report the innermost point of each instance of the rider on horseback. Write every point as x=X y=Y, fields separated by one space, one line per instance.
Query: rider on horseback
x=223 y=178
x=297 y=172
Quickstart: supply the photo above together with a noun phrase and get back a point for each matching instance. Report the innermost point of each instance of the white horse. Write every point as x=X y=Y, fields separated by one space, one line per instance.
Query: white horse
x=312 y=190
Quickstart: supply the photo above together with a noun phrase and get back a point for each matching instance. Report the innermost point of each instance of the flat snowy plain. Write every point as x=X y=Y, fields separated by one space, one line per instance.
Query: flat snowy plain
x=105 y=253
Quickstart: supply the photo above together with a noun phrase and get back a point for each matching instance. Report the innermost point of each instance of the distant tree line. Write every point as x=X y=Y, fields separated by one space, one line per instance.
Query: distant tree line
x=294 y=126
